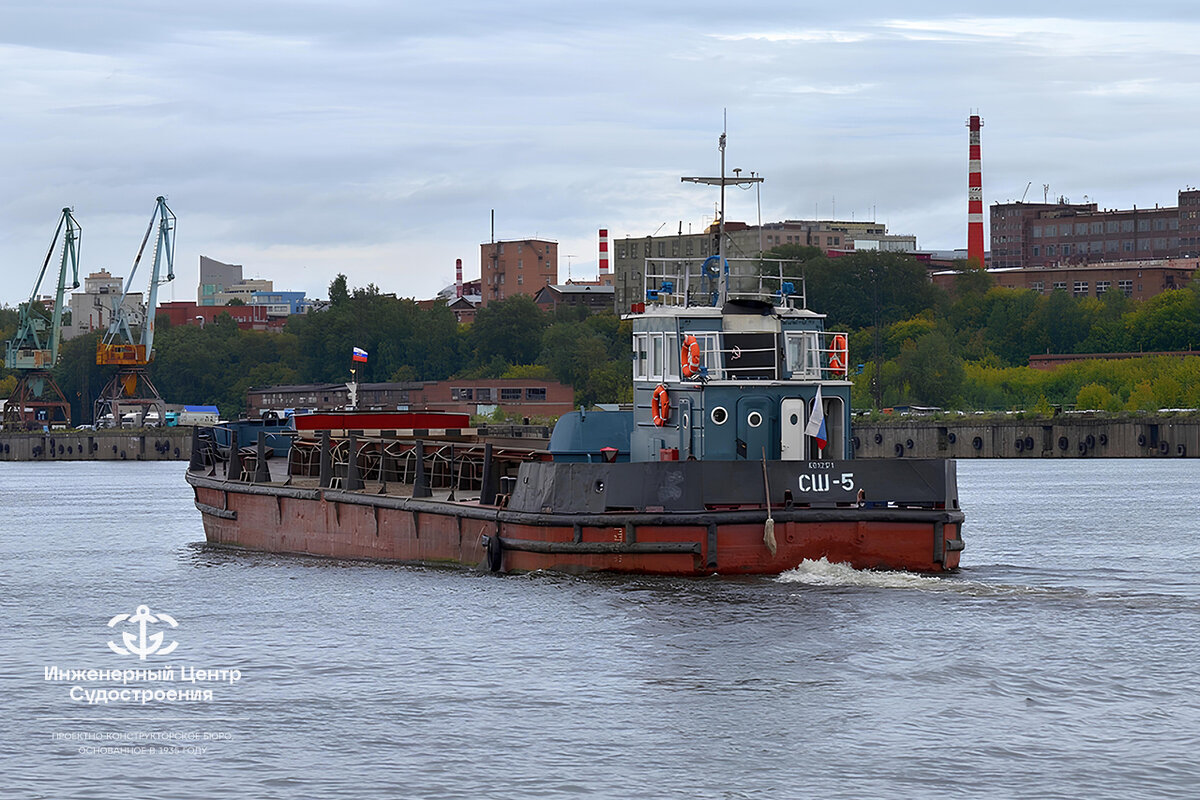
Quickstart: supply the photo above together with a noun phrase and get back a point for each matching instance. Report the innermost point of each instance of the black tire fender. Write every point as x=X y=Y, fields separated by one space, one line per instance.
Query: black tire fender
x=495 y=553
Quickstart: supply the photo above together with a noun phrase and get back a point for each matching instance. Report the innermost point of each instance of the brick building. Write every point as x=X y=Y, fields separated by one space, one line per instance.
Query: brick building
x=526 y=397
x=249 y=318
x=1137 y=279
x=593 y=296
x=519 y=266
x=1047 y=234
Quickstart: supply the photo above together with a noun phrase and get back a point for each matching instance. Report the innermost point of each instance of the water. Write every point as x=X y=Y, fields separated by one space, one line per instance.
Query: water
x=1060 y=663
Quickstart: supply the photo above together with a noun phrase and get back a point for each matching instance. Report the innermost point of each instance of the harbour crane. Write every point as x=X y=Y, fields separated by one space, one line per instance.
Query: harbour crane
x=33 y=351
x=130 y=389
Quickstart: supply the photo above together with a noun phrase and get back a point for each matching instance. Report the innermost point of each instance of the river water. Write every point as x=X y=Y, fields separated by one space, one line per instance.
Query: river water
x=1061 y=662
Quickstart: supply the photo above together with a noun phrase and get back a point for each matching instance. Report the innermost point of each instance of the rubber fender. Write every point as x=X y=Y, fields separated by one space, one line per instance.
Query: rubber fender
x=1141 y=440
x=857 y=444
x=177 y=452
x=60 y=450
x=122 y=454
x=1082 y=448
x=70 y=450
x=1063 y=444
x=879 y=438
x=1181 y=449
x=495 y=553
x=952 y=438
x=908 y=443
x=1163 y=447
x=899 y=449
x=1091 y=440
x=1020 y=445
x=1028 y=442
x=977 y=443
x=1104 y=440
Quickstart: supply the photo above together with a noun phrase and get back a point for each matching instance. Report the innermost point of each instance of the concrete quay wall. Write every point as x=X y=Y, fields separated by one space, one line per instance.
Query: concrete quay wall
x=151 y=444
x=1060 y=437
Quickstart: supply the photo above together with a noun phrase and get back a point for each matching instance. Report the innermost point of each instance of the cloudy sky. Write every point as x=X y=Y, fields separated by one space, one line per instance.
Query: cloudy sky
x=306 y=138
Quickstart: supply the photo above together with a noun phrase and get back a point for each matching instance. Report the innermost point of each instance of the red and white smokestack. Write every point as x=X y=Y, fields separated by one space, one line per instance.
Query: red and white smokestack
x=975 y=196
x=458 y=277
x=604 y=252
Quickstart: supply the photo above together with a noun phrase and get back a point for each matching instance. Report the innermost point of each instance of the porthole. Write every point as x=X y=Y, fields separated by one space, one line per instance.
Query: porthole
x=795 y=420
x=719 y=415
x=754 y=419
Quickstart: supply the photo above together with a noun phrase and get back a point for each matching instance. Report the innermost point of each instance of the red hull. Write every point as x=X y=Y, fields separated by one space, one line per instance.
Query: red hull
x=350 y=525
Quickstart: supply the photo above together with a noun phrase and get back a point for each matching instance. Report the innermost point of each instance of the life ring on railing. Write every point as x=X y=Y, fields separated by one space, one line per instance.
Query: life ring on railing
x=660 y=406
x=689 y=357
x=838 y=355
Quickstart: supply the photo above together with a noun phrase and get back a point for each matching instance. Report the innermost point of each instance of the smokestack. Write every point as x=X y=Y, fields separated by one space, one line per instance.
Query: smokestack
x=603 y=253
x=974 y=196
x=458 y=277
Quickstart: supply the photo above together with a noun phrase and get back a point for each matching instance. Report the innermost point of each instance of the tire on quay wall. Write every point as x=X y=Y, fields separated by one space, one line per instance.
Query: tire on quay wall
x=1020 y=445
x=1181 y=449
x=1028 y=442
x=1063 y=443
x=899 y=450
x=977 y=443
x=1163 y=447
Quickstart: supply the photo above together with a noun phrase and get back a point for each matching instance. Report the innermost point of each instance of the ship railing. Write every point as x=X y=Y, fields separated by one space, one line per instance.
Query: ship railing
x=696 y=281
x=383 y=460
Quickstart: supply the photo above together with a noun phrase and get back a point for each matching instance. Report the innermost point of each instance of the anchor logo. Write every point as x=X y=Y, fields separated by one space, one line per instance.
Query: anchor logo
x=142 y=645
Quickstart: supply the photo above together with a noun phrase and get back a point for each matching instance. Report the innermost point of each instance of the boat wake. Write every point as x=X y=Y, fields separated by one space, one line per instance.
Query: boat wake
x=820 y=572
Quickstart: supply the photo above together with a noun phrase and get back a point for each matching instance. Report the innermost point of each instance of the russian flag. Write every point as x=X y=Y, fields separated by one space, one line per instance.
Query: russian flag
x=816 y=421
x=359 y=354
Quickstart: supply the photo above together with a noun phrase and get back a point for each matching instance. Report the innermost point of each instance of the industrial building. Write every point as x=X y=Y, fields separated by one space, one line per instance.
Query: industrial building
x=1064 y=233
x=517 y=266
x=1136 y=279
x=528 y=397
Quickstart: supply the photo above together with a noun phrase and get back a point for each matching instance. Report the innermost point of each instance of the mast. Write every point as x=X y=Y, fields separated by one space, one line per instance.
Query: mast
x=722 y=181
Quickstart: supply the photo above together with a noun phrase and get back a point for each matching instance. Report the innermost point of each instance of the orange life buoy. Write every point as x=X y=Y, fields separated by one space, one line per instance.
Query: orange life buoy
x=660 y=406
x=689 y=357
x=838 y=356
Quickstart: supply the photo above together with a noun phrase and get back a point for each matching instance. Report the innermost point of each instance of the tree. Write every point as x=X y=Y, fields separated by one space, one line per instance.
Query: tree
x=508 y=331
x=932 y=372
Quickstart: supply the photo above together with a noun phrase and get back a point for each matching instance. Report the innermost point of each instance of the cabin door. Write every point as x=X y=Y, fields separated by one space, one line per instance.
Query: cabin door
x=754 y=427
x=685 y=428
x=793 y=416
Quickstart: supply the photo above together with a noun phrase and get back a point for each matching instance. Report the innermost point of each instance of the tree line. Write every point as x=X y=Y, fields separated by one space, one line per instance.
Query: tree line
x=910 y=343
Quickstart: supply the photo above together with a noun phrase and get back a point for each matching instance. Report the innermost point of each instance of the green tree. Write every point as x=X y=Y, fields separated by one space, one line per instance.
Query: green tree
x=932 y=372
x=508 y=331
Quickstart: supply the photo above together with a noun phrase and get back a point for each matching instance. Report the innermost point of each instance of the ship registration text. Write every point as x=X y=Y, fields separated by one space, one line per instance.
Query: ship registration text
x=821 y=481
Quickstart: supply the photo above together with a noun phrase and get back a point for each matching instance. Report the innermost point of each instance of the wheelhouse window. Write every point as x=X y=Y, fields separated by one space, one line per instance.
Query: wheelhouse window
x=641 y=357
x=803 y=352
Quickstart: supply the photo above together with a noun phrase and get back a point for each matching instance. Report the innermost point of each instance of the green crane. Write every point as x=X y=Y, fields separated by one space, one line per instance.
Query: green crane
x=33 y=351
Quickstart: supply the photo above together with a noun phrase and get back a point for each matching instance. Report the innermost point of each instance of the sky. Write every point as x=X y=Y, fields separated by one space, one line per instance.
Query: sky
x=303 y=139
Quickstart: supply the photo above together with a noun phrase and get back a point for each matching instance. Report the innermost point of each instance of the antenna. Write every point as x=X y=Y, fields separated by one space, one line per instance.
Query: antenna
x=1022 y=200
x=569 y=256
x=1045 y=193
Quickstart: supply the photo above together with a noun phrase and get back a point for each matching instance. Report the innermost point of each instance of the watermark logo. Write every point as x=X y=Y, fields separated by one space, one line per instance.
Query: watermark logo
x=140 y=644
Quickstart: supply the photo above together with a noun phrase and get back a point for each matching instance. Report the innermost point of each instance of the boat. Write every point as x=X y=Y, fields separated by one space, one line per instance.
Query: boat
x=736 y=458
